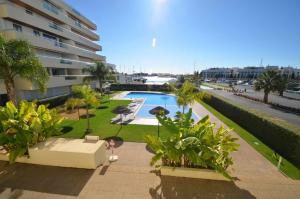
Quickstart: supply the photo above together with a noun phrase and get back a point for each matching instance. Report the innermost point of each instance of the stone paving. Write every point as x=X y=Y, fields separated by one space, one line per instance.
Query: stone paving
x=132 y=177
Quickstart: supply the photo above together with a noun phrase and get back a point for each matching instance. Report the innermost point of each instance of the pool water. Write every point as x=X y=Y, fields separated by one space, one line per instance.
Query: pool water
x=157 y=99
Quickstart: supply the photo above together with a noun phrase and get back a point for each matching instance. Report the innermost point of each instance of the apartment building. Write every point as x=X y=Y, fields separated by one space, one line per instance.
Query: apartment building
x=64 y=40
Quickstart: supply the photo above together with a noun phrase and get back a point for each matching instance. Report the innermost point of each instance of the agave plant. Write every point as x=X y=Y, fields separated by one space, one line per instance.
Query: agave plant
x=26 y=125
x=193 y=145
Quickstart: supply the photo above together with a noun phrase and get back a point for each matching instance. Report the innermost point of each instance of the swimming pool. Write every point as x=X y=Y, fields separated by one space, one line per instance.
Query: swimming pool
x=153 y=100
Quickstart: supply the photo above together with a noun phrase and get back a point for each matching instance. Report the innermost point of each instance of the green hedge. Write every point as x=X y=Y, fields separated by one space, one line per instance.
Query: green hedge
x=54 y=102
x=140 y=87
x=283 y=141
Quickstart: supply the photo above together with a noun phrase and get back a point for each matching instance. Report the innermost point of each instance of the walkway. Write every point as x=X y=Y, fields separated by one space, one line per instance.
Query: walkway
x=131 y=177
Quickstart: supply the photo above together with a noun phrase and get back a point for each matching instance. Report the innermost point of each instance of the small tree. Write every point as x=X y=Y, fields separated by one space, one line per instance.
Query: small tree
x=99 y=72
x=25 y=126
x=89 y=98
x=73 y=103
x=281 y=84
x=186 y=95
x=267 y=82
x=17 y=59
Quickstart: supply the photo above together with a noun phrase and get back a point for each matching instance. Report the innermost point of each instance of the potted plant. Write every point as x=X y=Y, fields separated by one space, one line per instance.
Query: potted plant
x=193 y=150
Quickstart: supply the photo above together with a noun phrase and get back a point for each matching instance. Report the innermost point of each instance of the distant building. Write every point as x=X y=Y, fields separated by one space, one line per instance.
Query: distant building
x=250 y=72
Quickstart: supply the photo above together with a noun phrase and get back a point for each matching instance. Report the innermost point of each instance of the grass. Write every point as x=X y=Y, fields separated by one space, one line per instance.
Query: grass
x=286 y=167
x=101 y=126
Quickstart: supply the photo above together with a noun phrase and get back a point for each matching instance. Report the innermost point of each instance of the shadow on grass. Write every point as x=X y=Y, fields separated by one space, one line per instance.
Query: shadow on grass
x=45 y=179
x=84 y=116
x=66 y=129
x=176 y=187
x=102 y=107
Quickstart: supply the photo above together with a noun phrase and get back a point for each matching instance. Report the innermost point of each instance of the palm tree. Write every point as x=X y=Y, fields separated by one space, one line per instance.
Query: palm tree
x=99 y=72
x=267 y=82
x=281 y=84
x=186 y=95
x=89 y=98
x=17 y=59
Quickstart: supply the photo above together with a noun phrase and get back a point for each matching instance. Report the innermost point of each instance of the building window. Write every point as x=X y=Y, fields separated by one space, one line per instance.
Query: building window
x=50 y=37
x=55 y=26
x=29 y=12
x=36 y=33
x=17 y=27
x=58 y=71
x=51 y=7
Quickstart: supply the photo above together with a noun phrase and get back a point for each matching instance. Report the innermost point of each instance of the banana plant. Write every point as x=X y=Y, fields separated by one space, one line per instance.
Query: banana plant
x=25 y=126
x=193 y=145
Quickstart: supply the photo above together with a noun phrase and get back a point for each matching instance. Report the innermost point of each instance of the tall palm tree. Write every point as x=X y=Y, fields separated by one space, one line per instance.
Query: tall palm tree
x=99 y=72
x=17 y=59
x=267 y=82
x=186 y=95
x=281 y=84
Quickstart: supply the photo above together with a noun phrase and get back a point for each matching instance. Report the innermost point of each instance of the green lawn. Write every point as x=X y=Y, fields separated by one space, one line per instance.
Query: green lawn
x=101 y=126
x=287 y=168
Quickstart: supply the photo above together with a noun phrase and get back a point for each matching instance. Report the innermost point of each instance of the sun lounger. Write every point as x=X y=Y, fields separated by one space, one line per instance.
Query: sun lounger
x=115 y=119
x=128 y=118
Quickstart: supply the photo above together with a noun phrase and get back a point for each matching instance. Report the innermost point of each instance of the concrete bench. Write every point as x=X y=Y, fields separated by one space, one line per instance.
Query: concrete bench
x=75 y=153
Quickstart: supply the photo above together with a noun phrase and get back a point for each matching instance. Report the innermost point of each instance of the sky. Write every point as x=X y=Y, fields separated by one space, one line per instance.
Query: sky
x=178 y=36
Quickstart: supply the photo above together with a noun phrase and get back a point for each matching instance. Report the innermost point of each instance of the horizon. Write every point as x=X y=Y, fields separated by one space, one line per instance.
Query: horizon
x=173 y=36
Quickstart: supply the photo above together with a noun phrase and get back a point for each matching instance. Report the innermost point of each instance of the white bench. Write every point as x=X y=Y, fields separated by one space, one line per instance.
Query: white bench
x=75 y=153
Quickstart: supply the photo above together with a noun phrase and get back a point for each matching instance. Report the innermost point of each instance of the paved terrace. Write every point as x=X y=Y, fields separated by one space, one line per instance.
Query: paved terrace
x=132 y=177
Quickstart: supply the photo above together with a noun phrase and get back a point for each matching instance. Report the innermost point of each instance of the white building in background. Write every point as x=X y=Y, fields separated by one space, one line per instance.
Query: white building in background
x=250 y=72
x=64 y=40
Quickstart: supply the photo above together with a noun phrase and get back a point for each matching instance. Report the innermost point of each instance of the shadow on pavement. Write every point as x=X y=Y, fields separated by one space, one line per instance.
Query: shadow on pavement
x=177 y=188
x=46 y=179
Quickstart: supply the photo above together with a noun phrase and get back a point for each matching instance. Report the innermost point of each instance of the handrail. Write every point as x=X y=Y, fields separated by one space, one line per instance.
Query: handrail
x=72 y=60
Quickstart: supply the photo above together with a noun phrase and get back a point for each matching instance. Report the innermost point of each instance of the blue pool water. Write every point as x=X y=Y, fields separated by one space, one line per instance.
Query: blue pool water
x=156 y=99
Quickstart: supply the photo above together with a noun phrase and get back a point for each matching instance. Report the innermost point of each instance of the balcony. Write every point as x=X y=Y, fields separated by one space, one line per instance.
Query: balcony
x=63 y=63
x=48 y=44
x=18 y=13
x=83 y=29
x=54 y=81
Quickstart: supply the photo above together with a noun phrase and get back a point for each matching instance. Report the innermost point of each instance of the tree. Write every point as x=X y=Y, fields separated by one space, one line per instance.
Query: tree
x=17 y=59
x=89 y=98
x=186 y=95
x=73 y=103
x=267 y=82
x=24 y=126
x=99 y=72
x=281 y=84
x=193 y=145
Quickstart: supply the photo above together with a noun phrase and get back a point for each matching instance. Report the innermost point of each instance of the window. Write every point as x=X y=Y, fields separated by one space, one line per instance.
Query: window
x=36 y=33
x=47 y=36
x=29 y=12
x=51 y=7
x=55 y=26
x=17 y=27
x=58 y=71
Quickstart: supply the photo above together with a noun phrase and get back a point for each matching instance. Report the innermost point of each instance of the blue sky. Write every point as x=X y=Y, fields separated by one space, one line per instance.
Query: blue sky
x=204 y=33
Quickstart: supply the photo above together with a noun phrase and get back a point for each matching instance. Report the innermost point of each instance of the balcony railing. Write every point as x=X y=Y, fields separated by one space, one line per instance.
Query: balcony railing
x=67 y=61
x=48 y=6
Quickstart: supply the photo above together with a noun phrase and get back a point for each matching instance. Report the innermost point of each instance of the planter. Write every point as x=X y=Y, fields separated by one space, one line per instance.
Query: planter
x=192 y=173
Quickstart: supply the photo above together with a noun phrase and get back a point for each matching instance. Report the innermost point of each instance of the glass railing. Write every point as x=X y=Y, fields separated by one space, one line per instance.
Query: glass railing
x=67 y=61
x=55 y=26
x=70 y=77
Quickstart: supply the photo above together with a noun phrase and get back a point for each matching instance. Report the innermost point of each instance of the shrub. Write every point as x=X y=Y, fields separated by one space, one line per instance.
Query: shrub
x=193 y=146
x=282 y=140
x=25 y=126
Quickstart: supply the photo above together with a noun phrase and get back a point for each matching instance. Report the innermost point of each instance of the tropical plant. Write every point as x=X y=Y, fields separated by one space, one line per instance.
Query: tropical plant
x=281 y=84
x=25 y=126
x=17 y=59
x=99 y=72
x=193 y=146
x=267 y=82
x=89 y=98
x=73 y=103
x=186 y=95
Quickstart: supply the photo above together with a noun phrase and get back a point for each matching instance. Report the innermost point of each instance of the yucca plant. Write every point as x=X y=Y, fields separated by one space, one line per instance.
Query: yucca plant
x=25 y=126
x=193 y=145
x=186 y=95
x=73 y=103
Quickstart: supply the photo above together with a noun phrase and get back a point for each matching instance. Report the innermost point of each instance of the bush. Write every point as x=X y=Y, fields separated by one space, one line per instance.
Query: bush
x=140 y=87
x=283 y=141
x=54 y=102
